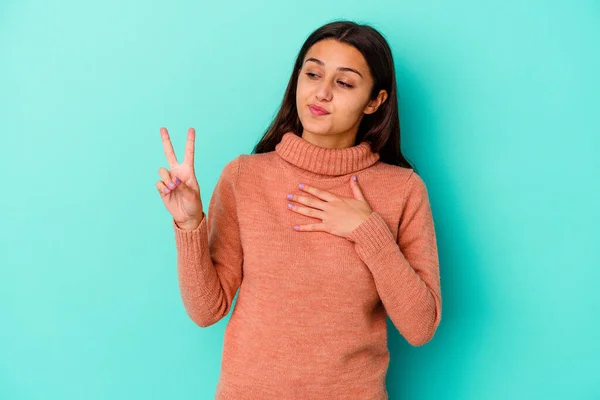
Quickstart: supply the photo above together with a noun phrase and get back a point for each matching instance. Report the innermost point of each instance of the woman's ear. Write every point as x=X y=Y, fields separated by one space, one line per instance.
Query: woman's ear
x=376 y=102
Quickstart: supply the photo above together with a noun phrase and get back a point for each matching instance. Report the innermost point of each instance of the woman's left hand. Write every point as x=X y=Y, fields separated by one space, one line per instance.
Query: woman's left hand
x=339 y=215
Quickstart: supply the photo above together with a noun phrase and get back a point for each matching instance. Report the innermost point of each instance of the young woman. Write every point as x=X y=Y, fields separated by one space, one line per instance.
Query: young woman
x=325 y=230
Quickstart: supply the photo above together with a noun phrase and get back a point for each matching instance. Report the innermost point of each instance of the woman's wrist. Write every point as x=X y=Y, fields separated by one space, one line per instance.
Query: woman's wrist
x=188 y=225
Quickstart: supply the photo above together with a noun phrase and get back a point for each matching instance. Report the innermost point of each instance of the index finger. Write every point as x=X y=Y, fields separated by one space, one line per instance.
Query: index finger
x=168 y=147
x=188 y=158
x=320 y=193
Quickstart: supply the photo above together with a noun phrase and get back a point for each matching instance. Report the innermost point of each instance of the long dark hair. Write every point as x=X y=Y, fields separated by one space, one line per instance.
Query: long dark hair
x=380 y=129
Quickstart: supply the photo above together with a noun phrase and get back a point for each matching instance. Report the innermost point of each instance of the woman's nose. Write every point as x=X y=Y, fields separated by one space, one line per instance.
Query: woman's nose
x=324 y=90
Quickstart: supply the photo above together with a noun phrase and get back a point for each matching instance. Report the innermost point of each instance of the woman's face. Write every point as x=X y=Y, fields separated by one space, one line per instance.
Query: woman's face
x=335 y=77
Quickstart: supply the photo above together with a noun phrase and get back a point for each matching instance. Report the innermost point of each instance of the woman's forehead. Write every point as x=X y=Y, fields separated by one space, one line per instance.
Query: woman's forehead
x=334 y=54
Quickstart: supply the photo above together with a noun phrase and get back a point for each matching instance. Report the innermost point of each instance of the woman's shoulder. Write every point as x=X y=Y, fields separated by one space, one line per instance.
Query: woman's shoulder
x=394 y=172
x=255 y=161
x=248 y=160
x=241 y=165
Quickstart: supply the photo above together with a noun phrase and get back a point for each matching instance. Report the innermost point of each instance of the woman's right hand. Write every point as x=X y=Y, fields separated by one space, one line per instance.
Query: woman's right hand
x=179 y=187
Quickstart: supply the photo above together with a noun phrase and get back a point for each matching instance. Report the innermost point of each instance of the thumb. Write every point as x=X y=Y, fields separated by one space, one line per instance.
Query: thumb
x=356 y=189
x=187 y=192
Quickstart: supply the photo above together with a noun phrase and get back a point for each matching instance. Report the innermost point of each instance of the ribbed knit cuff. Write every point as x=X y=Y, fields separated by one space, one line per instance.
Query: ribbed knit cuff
x=371 y=236
x=189 y=242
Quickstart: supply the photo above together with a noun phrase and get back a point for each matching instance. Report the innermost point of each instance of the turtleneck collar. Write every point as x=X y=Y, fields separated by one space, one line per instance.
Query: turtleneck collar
x=321 y=160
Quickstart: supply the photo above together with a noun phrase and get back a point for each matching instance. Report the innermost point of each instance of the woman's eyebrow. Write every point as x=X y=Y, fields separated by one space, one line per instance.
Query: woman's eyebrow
x=339 y=69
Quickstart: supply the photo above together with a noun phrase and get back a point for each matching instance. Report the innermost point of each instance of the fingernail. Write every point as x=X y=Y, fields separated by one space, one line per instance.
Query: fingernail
x=289 y=196
x=177 y=181
x=296 y=227
x=166 y=190
x=289 y=205
x=171 y=185
x=301 y=186
x=354 y=177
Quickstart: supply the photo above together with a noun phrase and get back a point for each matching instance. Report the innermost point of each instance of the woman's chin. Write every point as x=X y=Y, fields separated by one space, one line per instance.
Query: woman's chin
x=317 y=128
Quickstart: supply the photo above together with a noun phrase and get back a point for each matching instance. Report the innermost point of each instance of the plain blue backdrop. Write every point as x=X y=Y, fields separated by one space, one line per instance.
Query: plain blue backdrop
x=499 y=105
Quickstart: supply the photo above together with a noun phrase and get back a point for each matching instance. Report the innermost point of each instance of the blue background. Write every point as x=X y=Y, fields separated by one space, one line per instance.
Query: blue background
x=499 y=105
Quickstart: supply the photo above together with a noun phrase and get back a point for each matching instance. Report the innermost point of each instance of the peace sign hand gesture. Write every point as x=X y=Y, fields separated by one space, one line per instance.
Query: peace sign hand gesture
x=179 y=187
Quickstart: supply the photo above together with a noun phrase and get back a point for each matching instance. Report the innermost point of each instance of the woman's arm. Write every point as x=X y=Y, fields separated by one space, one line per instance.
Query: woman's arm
x=406 y=271
x=209 y=258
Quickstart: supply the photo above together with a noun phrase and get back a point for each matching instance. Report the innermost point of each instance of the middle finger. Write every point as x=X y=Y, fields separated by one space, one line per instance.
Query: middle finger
x=168 y=147
x=309 y=201
x=311 y=212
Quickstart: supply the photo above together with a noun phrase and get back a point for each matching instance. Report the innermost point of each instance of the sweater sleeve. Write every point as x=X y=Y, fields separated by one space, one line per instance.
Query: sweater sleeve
x=209 y=258
x=406 y=269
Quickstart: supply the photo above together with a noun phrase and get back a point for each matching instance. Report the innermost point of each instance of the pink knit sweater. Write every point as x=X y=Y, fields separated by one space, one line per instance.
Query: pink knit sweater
x=310 y=318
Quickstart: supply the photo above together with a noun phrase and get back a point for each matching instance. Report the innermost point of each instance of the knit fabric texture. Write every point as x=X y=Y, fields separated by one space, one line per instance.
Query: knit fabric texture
x=309 y=321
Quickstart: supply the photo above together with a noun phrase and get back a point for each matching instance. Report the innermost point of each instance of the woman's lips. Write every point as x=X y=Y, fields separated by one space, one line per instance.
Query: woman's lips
x=315 y=110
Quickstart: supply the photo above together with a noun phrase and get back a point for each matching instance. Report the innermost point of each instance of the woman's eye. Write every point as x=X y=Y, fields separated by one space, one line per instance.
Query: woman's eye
x=344 y=84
